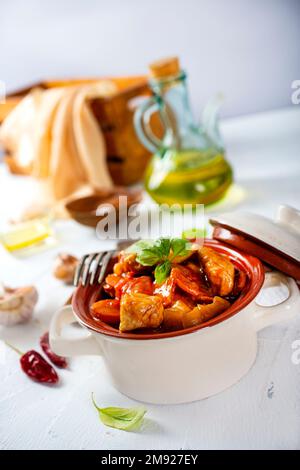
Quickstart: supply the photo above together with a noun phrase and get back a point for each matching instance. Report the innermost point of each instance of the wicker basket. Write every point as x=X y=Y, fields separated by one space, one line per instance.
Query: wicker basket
x=126 y=156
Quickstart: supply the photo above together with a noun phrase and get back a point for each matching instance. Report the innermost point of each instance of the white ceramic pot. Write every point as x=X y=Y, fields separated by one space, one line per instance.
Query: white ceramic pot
x=185 y=367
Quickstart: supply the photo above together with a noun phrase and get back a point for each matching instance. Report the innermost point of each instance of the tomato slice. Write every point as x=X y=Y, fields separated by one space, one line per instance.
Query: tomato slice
x=107 y=310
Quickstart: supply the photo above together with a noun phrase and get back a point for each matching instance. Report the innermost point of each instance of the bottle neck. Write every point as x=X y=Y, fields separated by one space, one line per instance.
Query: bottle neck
x=171 y=93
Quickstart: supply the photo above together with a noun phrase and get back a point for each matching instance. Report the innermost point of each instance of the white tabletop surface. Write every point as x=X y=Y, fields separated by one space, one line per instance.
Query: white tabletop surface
x=261 y=411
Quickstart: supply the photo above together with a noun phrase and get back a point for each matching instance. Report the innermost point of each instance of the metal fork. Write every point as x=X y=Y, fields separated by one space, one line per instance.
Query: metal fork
x=91 y=268
x=95 y=264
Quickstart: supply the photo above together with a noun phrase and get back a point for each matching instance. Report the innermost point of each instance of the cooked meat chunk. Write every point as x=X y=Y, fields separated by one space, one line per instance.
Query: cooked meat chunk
x=240 y=280
x=142 y=284
x=219 y=270
x=116 y=285
x=180 y=258
x=127 y=263
x=203 y=313
x=173 y=315
x=191 y=282
x=128 y=283
x=166 y=291
x=140 y=311
x=193 y=267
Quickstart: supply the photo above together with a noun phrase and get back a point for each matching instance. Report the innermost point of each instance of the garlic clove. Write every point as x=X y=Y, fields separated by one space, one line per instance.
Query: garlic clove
x=17 y=305
x=64 y=267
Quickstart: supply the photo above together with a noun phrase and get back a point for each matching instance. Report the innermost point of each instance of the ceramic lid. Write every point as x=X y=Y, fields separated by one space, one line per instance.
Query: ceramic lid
x=276 y=242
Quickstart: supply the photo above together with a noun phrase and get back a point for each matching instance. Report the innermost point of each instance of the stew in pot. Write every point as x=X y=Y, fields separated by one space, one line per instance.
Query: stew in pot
x=167 y=284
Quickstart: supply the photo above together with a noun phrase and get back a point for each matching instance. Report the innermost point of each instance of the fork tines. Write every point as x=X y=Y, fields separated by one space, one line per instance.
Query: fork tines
x=92 y=268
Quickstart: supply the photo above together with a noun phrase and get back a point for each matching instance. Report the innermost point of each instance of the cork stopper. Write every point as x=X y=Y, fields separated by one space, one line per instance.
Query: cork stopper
x=165 y=67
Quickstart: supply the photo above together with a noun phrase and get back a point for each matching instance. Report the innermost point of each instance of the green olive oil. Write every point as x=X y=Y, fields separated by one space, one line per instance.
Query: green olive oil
x=188 y=177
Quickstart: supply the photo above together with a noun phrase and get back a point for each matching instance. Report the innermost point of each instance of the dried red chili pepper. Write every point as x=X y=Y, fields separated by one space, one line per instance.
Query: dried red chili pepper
x=59 y=361
x=37 y=368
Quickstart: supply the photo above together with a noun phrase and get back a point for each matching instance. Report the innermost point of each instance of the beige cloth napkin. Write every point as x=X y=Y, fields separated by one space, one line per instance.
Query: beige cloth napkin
x=55 y=135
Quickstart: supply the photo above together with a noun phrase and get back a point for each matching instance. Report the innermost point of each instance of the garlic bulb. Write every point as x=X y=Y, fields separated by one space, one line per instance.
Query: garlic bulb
x=64 y=267
x=16 y=305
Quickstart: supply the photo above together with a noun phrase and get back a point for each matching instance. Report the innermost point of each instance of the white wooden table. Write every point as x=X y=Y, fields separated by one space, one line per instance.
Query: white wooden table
x=261 y=411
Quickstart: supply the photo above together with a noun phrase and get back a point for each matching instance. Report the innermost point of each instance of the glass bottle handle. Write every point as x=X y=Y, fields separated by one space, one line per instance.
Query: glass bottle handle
x=143 y=127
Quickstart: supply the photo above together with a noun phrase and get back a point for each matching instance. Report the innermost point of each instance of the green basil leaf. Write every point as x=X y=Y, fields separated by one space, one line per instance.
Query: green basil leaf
x=162 y=271
x=126 y=419
x=149 y=256
x=164 y=245
x=179 y=247
x=139 y=246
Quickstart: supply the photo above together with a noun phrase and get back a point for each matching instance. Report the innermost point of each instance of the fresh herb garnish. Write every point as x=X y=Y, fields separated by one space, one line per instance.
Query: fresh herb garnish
x=160 y=252
x=162 y=271
x=149 y=256
x=138 y=246
x=179 y=247
x=126 y=419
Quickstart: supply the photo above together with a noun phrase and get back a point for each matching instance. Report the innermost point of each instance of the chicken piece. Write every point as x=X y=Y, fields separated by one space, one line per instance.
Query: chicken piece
x=187 y=299
x=180 y=258
x=140 y=311
x=116 y=285
x=127 y=263
x=240 y=280
x=166 y=291
x=203 y=313
x=173 y=316
x=122 y=284
x=191 y=282
x=142 y=284
x=219 y=270
x=193 y=267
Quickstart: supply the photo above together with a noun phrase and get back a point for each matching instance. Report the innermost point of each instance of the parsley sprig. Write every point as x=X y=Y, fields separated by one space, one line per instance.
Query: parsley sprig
x=161 y=253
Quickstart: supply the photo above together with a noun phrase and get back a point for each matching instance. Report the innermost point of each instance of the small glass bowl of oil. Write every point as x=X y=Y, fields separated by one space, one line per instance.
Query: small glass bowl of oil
x=30 y=237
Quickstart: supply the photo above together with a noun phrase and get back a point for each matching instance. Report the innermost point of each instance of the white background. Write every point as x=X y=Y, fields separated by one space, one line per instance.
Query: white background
x=249 y=49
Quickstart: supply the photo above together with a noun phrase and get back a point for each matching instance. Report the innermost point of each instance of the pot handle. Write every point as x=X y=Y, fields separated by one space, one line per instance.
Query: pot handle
x=64 y=346
x=268 y=315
